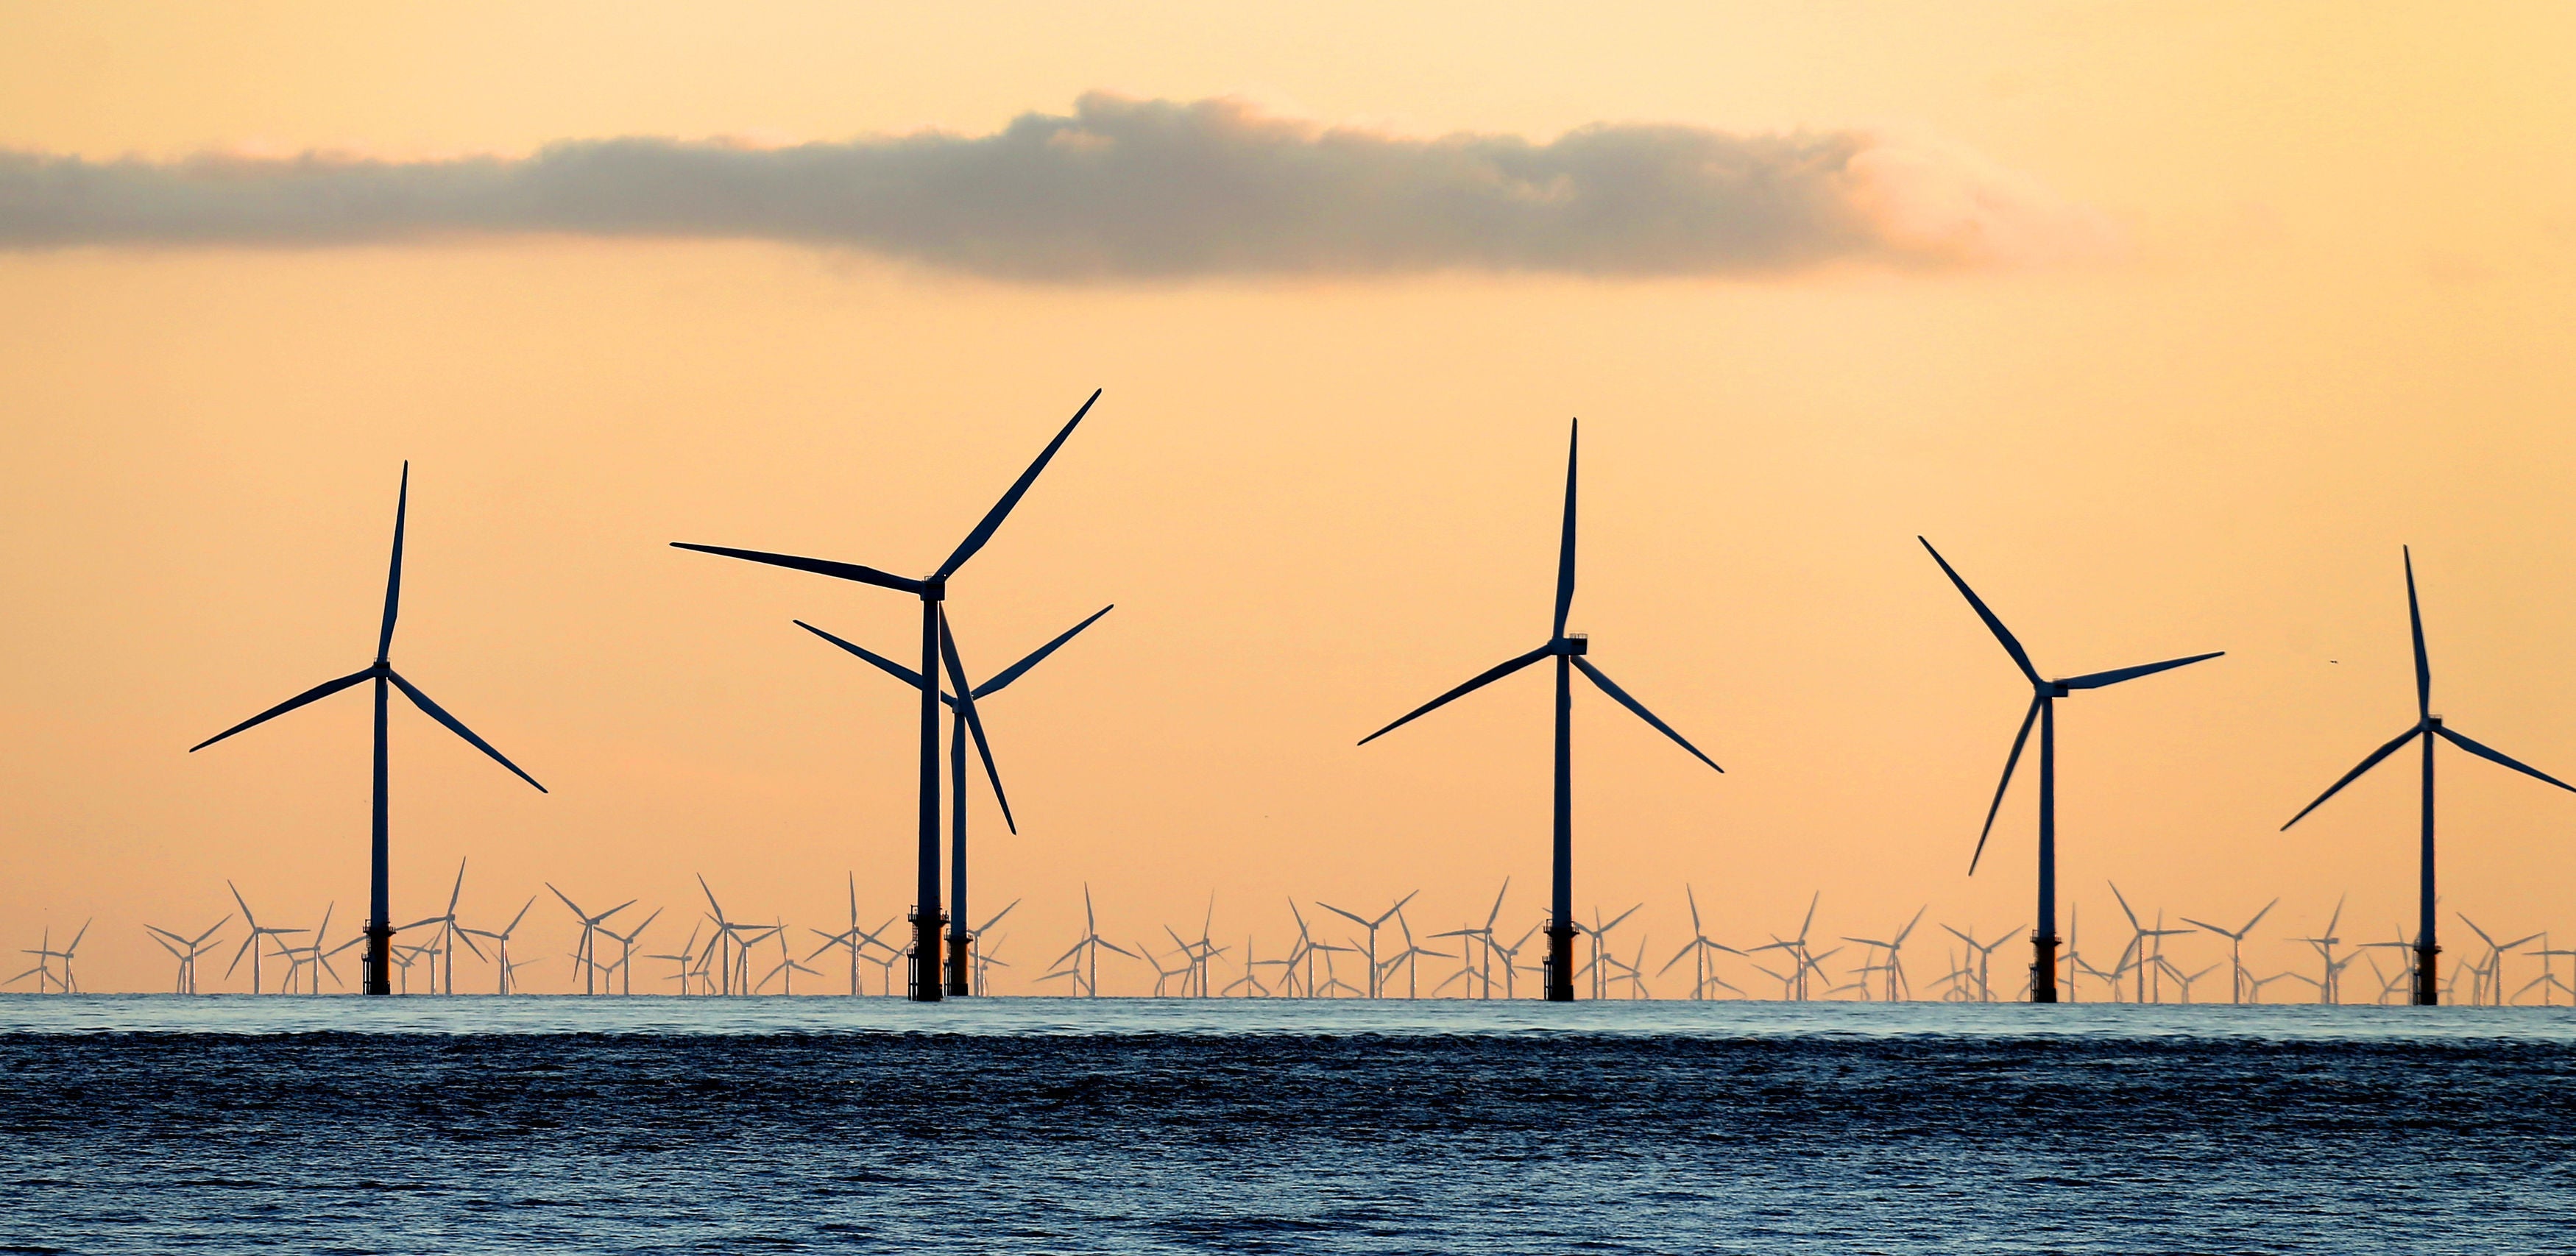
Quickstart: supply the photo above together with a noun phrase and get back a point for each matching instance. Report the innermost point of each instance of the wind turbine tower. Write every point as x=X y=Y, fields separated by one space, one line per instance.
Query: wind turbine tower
x=937 y=647
x=2043 y=711
x=1570 y=650
x=2429 y=727
x=380 y=930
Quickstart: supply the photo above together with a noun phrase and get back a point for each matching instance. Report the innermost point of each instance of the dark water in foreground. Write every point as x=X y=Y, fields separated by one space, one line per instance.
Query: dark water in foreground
x=483 y=1125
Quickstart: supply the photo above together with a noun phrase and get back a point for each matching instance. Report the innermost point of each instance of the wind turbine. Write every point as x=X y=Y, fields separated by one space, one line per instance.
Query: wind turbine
x=186 y=950
x=2043 y=711
x=1569 y=651
x=309 y=958
x=250 y=945
x=1250 y=981
x=936 y=647
x=2237 y=977
x=2489 y=973
x=380 y=929
x=787 y=965
x=448 y=934
x=626 y=950
x=1797 y=950
x=1411 y=957
x=959 y=938
x=1898 y=988
x=2429 y=727
x=988 y=956
x=501 y=940
x=1511 y=962
x=1985 y=956
x=1600 y=935
x=1089 y=947
x=1372 y=926
x=689 y=953
x=1703 y=964
x=587 y=952
x=1292 y=979
x=2330 y=982
x=2136 y=957
x=65 y=982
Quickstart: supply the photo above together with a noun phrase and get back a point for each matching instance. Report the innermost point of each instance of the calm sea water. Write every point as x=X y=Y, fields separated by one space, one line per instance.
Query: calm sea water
x=158 y=1124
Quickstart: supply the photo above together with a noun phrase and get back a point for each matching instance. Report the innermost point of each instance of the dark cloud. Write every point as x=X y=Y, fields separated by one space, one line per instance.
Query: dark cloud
x=1121 y=189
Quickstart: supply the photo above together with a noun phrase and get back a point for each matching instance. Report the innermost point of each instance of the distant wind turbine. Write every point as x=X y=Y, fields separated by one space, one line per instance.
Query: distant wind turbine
x=2238 y=977
x=2043 y=711
x=1072 y=962
x=64 y=982
x=501 y=941
x=186 y=950
x=936 y=647
x=380 y=930
x=2429 y=727
x=1372 y=926
x=444 y=974
x=586 y=952
x=1569 y=650
x=250 y=945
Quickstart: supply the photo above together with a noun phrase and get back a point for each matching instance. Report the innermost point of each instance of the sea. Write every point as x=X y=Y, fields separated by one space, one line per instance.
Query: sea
x=558 y=1124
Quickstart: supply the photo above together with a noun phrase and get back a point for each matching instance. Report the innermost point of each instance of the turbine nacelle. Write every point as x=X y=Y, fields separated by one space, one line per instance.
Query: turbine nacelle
x=1571 y=645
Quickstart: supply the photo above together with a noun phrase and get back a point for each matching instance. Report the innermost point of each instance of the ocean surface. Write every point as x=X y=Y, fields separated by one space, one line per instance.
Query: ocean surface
x=556 y=1124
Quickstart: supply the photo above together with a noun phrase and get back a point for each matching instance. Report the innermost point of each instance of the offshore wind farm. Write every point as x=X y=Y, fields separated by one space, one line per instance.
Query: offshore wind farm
x=946 y=959
x=1390 y=628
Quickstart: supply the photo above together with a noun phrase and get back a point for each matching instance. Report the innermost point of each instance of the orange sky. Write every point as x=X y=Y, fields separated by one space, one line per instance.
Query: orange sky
x=2337 y=323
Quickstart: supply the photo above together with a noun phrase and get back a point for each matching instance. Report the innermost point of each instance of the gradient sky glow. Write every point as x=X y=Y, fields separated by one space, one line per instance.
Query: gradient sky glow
x=2297 y=289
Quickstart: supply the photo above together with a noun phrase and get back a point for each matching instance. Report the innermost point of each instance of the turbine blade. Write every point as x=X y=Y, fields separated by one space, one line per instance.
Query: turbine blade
x=455 y=726
x=2020 y=657
x=393 y=576
x=1482 y=679
x=1002 y=509
x=1354 y=919
x=2011 y=761
x=819 y=566
x=997 y=918
x=884 y=664
x=2415 y=622
x=2348 y=777
x=2124 y=907
x=2258 y=916
x=314 y=694
x=1038 y=655
x=2098 y=680
x=1619 y=695
x=1565 y=554
x=2494 y=755
x=974 y=723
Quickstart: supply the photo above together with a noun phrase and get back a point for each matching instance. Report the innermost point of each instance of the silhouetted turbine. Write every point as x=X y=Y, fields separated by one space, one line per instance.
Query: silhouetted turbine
x=936 y=647
x=1568 y=650
x=2043 y=710
x=380 y=930
x=2429 y=727
x=960 y=939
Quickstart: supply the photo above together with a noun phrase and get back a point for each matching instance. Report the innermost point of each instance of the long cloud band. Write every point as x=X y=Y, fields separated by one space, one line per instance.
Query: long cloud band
x=1124 y=189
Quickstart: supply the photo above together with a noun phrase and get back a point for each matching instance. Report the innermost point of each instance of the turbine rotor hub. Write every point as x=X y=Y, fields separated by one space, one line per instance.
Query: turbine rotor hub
x=1574 y=643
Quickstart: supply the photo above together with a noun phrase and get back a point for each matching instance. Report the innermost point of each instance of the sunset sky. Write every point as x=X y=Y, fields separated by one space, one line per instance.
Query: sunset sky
x=2168 y=323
